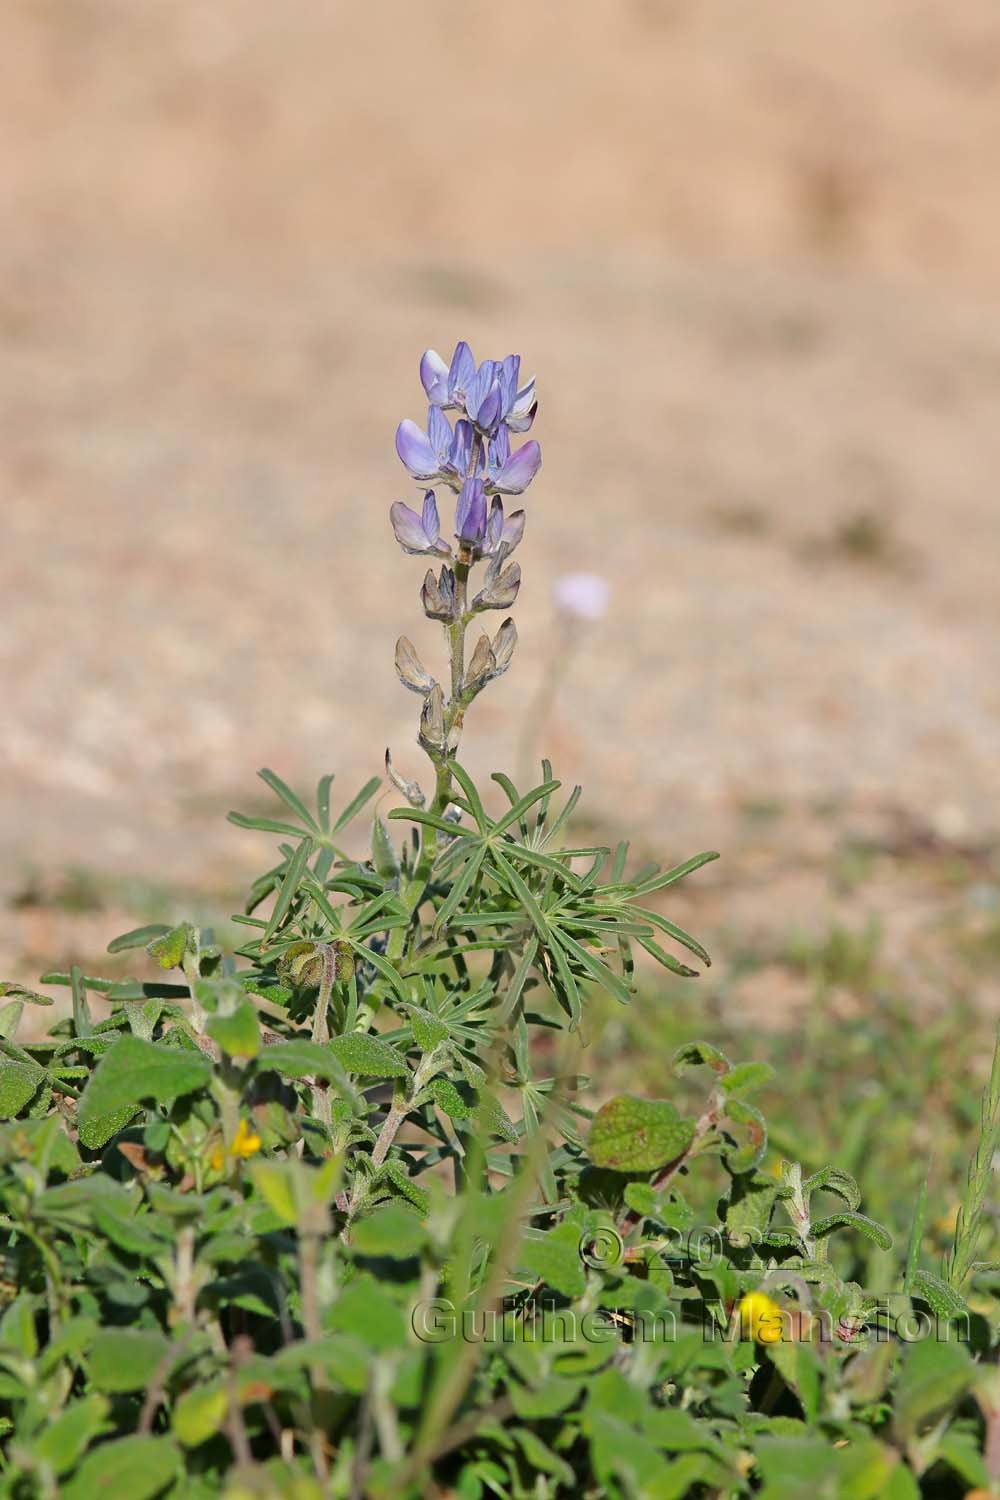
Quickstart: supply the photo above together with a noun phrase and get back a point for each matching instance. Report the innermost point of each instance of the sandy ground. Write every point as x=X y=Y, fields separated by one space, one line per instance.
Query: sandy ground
x=751 y=253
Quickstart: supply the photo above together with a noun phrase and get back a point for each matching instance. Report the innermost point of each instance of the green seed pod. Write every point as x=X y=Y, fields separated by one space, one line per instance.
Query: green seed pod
x=302 y=965
x=384 y=856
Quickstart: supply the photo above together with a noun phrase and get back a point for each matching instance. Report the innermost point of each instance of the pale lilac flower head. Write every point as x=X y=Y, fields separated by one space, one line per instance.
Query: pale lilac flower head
x=473 y=457
x=581 y=596
x=488 y=393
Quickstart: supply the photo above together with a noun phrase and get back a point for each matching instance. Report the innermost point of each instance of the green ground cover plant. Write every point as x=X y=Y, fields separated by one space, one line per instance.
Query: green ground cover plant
x=340 y=1213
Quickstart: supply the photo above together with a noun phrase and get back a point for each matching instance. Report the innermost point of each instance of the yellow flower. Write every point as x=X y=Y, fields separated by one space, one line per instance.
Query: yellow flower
x=246 y=1141
x=761 y=1318
x=217 y=1159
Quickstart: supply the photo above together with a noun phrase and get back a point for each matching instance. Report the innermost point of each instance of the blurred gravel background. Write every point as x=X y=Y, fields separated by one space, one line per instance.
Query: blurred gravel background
x=752 y=254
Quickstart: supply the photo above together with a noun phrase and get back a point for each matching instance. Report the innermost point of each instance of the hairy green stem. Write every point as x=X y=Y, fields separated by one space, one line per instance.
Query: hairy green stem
x=320 y=1093
x=454 y=713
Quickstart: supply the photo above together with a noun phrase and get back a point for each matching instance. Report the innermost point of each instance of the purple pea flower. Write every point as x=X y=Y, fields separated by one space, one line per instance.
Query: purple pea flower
x=518 y=407
x=483 y=400
x=434 y=378
x=501 y=530
x=470 y=515
x=437 y=453
x=447 y=385
x=419 y=535
x=510 y=473
x=483 y=532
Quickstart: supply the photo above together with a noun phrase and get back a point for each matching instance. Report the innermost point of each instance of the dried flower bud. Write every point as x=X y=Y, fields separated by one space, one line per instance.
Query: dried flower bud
x=482 y=667
x=438 y=596
x=410 y=669
x=408 y=789
x=500 y=584
x=432 y=731
x=503 y=646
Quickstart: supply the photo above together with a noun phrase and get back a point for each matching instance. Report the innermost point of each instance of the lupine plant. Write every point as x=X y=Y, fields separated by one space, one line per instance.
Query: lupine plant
x=336 y=1214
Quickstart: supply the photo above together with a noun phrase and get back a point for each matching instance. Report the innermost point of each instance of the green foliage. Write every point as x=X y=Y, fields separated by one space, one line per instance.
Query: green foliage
x=333 y=1215
x=321 y=1188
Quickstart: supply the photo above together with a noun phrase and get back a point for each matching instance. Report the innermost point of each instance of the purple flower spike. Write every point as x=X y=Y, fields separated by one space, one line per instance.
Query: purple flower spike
x=419 y=535
x=417 y=451
x=470 y=514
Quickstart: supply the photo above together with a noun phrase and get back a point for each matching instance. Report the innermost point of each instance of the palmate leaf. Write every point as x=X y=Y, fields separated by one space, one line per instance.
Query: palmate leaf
x=356 y=803
x=516 y=813
x=460 y=886
x=291 y=800
x=566 y=910
x=563 y=983
x=317 y=825
x=504 y=870
x=472 y=801
x=661 y=880
x=594 y=967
